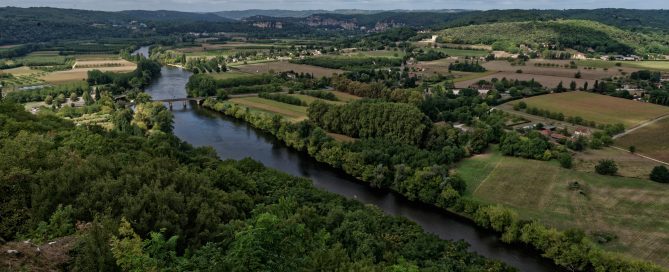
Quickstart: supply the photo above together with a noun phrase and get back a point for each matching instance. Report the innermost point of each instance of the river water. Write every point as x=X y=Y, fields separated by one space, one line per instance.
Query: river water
x=234 y=139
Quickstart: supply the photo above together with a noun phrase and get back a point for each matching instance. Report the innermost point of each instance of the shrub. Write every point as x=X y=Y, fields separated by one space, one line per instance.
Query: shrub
x=565 y=160
x=606 y=167
x=660 y=174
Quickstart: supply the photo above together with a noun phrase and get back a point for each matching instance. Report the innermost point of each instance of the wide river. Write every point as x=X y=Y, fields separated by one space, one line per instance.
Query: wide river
x=234 y=139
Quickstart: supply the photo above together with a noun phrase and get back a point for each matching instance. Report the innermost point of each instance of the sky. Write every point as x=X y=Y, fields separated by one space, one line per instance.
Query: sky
x=220 y=5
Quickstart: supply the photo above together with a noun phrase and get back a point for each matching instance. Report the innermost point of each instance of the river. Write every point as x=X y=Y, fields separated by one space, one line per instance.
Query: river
x=234 y=139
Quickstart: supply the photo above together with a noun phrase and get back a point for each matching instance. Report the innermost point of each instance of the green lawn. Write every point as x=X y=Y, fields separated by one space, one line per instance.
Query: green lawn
x=632 y=209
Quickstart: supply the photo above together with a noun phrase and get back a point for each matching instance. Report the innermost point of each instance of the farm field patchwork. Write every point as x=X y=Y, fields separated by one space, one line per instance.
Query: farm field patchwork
x=651 y=140
x=602 y=109
x=79 y=74
x=634 y=210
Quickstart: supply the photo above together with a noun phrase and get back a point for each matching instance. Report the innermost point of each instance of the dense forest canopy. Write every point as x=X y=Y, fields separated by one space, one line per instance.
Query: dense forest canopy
x=559 y=34
x=27 y=25
x=157 y=203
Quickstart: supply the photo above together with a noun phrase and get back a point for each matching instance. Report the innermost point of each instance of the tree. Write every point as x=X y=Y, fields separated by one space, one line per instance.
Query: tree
x=606 y=167
x=128 y=250
x=660 y=174
x=632 y=149
x=88 y=100
x=578 y=74
x=565 y=160
x=74 y=97
x=585 y=86
x=48 y=100
x=559 y=88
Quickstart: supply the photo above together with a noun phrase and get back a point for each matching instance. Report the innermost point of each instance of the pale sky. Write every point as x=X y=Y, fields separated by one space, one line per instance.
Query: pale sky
x=220 y=5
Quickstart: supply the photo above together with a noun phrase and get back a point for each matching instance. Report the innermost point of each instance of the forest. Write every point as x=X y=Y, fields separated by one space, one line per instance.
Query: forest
x=156 y=203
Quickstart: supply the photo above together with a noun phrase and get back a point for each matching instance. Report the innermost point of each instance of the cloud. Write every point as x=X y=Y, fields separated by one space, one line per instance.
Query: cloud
x=217 y=5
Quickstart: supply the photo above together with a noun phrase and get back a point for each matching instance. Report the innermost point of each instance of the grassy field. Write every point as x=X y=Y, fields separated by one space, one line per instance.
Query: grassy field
x=293 y=112
x=634 y=210
x=311 y=99
x=284 y=66
x=461 y=52
x=629 y=165
x=377 y=53
x=345 y=97
x=229 y=74
x=599 y=108
x=651 y=140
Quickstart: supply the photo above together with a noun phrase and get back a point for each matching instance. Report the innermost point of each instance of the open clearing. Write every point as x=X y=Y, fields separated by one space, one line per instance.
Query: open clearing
x=651 y=140
x=634 y=210
x=629 y=165
x=284 y=66
x=345 y=97
x=293 y=112
x=229 y=74
x=602 y=109
x=310 y=99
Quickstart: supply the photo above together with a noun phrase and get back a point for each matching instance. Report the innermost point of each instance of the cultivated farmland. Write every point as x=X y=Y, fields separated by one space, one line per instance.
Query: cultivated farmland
x=651 y=140
x=599 y=108
x=633 y=210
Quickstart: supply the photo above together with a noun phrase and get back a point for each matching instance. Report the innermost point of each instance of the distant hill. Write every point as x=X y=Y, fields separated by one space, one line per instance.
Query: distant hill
x=167 y=15
x=280 y=13
x=581 y=35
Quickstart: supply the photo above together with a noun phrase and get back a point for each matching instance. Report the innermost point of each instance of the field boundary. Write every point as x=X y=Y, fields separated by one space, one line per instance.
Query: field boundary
x=640 y=155
x=647 y=123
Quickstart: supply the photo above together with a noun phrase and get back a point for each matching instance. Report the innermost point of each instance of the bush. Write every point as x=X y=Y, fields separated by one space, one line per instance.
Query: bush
x=660 y=174
x=565 y=160
x=606 y=167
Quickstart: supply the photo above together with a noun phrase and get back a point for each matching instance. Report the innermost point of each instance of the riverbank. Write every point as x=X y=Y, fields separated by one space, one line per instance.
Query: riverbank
x=571 y=250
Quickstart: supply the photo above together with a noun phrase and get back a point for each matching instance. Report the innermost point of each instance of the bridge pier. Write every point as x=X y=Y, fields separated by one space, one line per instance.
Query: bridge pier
x=170 y=103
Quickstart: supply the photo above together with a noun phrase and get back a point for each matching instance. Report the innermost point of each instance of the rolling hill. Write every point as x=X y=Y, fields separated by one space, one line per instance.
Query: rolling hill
x=581 y=35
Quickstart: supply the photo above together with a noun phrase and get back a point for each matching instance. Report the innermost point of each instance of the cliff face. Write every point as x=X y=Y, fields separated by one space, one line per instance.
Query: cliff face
x=318 y=21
